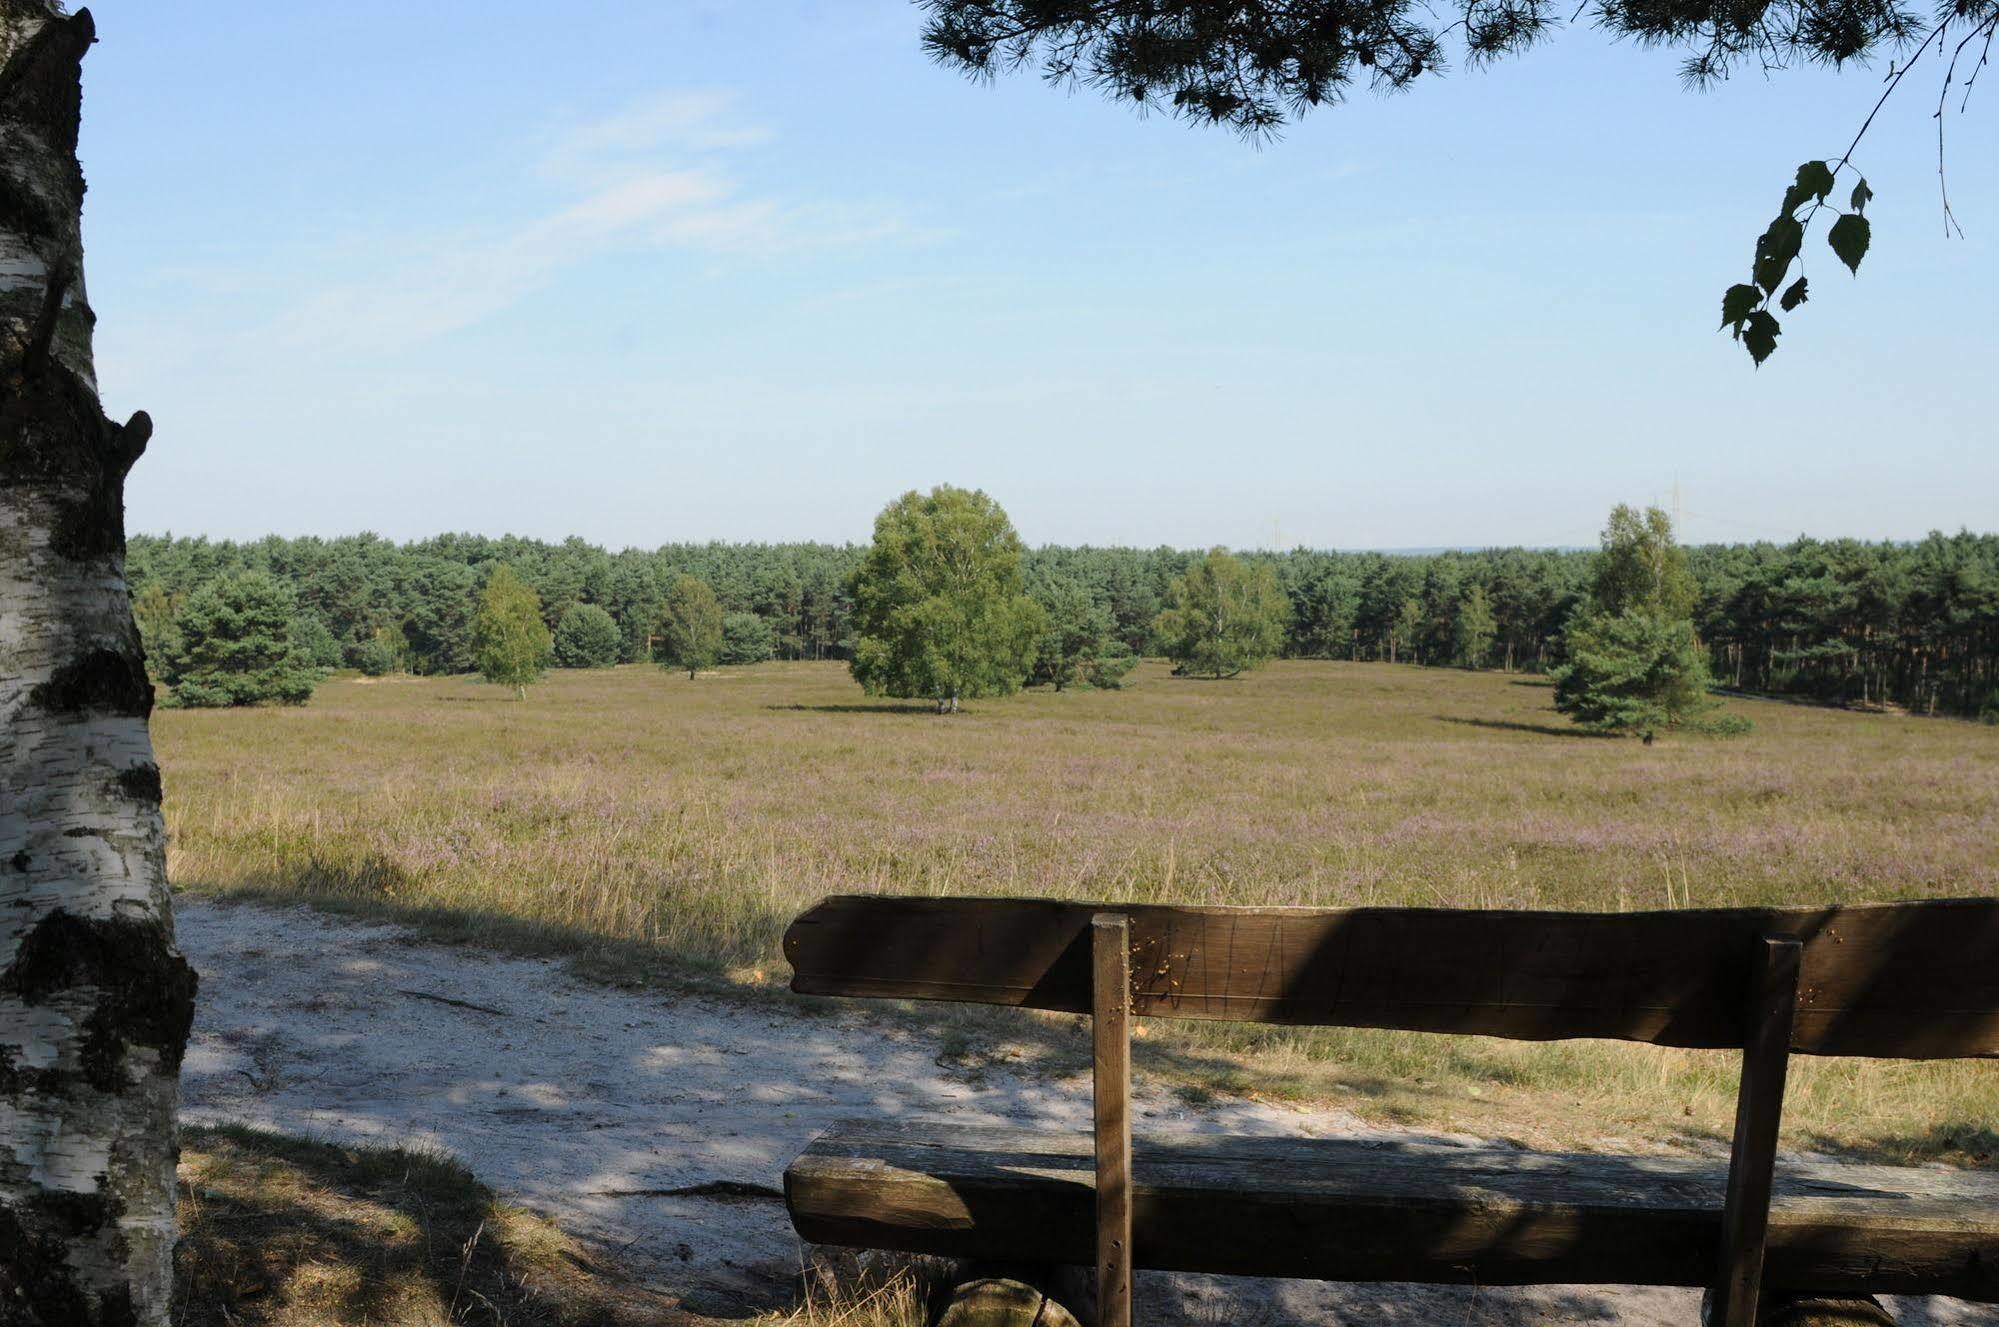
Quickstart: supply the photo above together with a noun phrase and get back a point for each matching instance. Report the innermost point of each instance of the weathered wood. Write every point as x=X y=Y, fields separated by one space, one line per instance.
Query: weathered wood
x=997 y=1302
x=1905 y=980
x=1352 y=1210
x=1111 y=1083
x=1759 y=1109
x=1824 y=1311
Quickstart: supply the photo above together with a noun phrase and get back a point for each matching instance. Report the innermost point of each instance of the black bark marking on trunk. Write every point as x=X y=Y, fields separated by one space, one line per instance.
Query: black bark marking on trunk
x=40 y=86
x=111 y=681
x=34 y=1274
x=20 y=1083
x=146 y=990
x=24 y=211
x=141 y=783
x=34 y=1278
x=35 y=356
x=63 y=465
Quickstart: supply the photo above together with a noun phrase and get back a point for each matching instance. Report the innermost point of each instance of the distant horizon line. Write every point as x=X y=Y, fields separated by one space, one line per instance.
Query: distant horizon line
x=1403 y=550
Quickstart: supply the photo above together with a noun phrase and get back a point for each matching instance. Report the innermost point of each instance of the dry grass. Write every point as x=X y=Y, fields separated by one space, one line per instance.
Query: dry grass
x=282 y=1232
x=634 y=819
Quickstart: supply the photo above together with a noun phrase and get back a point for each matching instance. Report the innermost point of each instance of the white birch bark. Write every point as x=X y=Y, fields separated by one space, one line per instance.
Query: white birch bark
x=94 y=999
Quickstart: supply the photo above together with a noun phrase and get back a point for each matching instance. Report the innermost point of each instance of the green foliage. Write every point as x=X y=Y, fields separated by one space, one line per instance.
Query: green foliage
x=1745 y=309
x=1637 y=673
x=438 y=604
x=1913 y=622
x=939 y=607
x=375 y=657
x=1408 y=632
x=587 y=637
x=1080 y=642
x=1474 y=630
x=1226 y=615
x=1738 y=302
x=1813 y=183
x=1849 y=238
x=317 y=642
x=234 y=643
x=510 y=642
x=154 y=610
x=747 y=639
x=1641 y=568
x=1325 y=595
x=1631 y=660
x=1249 y=66
x=690 y=629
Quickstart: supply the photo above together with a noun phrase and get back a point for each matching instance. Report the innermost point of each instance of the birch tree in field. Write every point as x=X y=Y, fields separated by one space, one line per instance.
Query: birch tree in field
x=95 y=1001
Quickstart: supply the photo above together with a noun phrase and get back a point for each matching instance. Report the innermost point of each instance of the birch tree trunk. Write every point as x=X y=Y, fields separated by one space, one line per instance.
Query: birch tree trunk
x=95 y=1001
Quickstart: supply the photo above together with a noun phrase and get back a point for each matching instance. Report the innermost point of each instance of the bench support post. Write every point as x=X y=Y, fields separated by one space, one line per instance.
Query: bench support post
x=1759 y=1108
x=1110 y=941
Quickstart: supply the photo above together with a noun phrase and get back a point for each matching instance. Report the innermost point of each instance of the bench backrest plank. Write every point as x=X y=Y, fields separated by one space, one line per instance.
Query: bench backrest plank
x=1900 y=981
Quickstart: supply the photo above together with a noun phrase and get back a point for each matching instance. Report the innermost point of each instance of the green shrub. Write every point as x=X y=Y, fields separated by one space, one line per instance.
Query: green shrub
x=375 y=657
x=309 y=630
x=747 y=639
x=1632 y=672
x=587 y=637
x=235 y=643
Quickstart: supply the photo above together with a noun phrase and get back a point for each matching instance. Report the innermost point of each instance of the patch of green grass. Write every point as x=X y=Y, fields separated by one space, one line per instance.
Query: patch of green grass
x=653 y=828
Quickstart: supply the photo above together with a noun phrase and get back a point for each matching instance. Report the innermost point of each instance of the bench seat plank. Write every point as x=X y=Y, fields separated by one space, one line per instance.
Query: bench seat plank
x=1362 y=1210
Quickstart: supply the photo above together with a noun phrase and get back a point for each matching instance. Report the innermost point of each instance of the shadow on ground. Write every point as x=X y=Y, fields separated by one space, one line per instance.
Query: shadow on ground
x=857 y=707
x=1516 y=726
x=652 y=1126
x=292 y=1233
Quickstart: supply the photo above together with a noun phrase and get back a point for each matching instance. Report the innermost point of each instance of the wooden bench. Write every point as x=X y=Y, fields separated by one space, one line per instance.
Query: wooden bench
x=1898 y=981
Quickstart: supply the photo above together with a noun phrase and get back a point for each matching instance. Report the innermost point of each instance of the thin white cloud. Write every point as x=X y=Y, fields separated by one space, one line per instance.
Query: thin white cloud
x=653 y=178
x=674 y=121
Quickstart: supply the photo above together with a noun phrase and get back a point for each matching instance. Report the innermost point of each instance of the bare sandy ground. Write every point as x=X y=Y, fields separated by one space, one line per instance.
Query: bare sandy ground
x=603 y=1108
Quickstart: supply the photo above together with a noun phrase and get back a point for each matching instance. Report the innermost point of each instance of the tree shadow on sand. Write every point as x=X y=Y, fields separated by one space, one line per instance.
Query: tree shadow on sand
x=659 y=1124
x=276 y=1228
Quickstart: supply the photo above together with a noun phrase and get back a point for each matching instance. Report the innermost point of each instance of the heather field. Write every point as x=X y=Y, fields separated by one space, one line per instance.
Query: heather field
x=650 y=825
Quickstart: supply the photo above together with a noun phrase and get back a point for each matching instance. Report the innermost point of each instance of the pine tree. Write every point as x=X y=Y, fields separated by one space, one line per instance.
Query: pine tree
x=1080 y=643
x=1631 y=672
x=1631 y=661
x=747 y=639
x=236 y=642
x=510 y=642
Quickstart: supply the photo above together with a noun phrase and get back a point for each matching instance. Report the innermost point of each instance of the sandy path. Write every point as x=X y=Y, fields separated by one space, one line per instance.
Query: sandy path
x=585 y=1102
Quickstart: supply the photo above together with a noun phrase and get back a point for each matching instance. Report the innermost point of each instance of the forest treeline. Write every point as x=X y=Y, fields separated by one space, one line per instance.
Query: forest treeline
x=1911 y=624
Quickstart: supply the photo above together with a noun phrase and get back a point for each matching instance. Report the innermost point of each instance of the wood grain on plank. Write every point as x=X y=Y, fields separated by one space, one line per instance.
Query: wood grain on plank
x=1385 y=1211
x=1111 y=1086
x=1903 y=980
x=1759 y=1110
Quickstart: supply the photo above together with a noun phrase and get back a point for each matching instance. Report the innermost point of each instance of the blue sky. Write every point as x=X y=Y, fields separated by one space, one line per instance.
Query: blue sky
x=650 y=272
